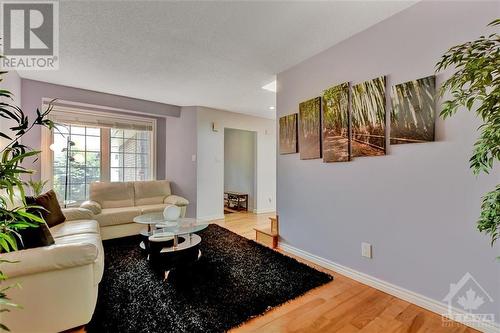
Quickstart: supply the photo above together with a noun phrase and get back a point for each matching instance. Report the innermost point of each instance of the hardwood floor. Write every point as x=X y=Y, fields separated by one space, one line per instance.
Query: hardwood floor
x=341 y=306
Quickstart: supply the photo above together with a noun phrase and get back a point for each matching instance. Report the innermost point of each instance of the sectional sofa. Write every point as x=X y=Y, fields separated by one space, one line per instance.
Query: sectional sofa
x=60 y=282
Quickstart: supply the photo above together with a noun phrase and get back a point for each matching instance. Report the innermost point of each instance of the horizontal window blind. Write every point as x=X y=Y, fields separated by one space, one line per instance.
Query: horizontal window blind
x=67 y=116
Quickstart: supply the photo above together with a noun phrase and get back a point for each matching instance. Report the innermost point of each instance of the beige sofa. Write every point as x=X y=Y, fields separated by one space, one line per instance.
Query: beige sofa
x=59 y=282
x=116 y=204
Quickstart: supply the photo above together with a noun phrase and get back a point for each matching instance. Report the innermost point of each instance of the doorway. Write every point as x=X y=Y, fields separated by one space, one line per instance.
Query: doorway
x=240 y=156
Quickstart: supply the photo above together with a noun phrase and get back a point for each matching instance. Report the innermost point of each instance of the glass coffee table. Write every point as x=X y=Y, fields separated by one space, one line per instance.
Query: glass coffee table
x=170 y=244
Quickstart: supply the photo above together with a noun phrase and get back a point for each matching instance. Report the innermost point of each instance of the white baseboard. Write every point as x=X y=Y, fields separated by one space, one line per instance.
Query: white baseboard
x=405 y=294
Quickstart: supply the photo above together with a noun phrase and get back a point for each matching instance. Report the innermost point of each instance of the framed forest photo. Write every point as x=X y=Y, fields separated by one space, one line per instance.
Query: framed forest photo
x=368 y=118
x=413 y=111
x=288 y=134
x=336 y=124
x=310 y=129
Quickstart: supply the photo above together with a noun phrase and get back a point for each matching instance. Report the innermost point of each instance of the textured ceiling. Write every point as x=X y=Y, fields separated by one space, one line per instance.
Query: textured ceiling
x=215 y=54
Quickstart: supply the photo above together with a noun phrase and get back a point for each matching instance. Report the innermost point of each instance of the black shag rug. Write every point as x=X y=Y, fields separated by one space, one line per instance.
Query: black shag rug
x=234 y=280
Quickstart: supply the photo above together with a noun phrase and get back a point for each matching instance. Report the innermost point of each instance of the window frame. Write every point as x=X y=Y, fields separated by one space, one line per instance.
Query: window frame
x=47 y=155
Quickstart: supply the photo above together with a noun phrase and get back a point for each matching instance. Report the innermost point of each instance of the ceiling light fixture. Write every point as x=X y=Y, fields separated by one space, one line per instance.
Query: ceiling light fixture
x=272 y=108
x=270 y=86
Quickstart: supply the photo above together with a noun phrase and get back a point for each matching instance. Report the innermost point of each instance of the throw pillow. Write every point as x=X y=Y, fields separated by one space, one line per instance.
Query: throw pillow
x=35 y=237
x=52 y=214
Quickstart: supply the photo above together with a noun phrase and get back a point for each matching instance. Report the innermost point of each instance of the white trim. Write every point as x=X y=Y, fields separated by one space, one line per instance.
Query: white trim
x=392 y=289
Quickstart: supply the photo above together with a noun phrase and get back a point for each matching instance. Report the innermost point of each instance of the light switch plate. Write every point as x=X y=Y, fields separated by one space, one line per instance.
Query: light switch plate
x=366 y=250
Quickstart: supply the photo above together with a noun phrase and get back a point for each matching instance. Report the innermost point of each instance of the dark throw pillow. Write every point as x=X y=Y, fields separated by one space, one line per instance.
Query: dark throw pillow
x=52 y=214
x=35 y=237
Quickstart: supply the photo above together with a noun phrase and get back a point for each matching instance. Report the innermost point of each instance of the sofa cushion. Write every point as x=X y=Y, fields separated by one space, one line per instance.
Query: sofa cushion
x=117 y=216
x=151 y=192
x=145 y=209
x=75 y=227
x=112 y=195
x=91 y=238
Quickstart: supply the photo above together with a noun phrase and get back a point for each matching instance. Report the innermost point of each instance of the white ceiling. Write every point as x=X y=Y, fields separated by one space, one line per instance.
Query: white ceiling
x=215 y=54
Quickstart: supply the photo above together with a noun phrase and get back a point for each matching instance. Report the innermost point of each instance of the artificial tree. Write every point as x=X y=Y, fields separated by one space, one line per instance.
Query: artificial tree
x=15 y=214
x=475 y=85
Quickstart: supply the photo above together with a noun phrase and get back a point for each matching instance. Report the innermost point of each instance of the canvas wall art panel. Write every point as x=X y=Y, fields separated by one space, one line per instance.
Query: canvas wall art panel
x=310 y=129
x=368 y=118
x=413 y=111
x=336 y=123
x=288 y=134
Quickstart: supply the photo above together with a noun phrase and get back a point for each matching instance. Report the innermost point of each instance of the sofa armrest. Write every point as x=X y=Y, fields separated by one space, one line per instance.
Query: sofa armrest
x=73 y=214
x=48 y=258
x=93 y=206
x=176 y=200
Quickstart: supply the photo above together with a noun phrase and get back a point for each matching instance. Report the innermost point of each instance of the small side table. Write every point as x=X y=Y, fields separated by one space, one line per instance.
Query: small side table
x=236 y=200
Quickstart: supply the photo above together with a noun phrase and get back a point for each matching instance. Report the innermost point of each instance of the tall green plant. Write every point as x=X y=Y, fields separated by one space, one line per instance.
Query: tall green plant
x=476 y=82
x=15 y=214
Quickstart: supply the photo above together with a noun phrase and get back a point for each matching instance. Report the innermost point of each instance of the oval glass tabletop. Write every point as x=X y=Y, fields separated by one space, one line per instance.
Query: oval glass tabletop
x=150 y=218
x=179 y=227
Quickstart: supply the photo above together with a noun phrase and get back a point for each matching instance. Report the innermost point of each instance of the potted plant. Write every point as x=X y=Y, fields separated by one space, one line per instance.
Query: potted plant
x=476 y=82
x=15 y=214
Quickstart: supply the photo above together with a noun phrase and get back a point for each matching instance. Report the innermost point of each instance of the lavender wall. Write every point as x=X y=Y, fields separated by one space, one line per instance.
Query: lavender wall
x=11 y=82
x=181 y=147
x=419 y=204
x=33 y=92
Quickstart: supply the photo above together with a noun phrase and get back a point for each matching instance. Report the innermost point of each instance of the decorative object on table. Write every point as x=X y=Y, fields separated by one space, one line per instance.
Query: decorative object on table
x=203 y=301
x=368 y=118
x=14 y=216
x=310 y=129
x=36 y=186
x=476 y=82
x=336 y=124
x=288 y=134
x=413 y=111
x=172 y=213
x=69 y=158
x=236 y=201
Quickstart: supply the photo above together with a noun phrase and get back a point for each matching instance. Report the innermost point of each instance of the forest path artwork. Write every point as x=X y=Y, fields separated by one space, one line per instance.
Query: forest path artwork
x=339 y=126
x=413 y=111
x=336 y=124
x=288 y=134
x=310 y=129
x=368 y=118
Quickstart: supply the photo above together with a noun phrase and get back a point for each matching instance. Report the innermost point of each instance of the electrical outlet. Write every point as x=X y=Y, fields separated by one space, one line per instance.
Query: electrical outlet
x=366 y=250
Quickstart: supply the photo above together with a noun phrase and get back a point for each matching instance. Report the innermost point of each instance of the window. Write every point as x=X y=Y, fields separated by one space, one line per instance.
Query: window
x=82 y=162
x=102 y=149
x=129 y=155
